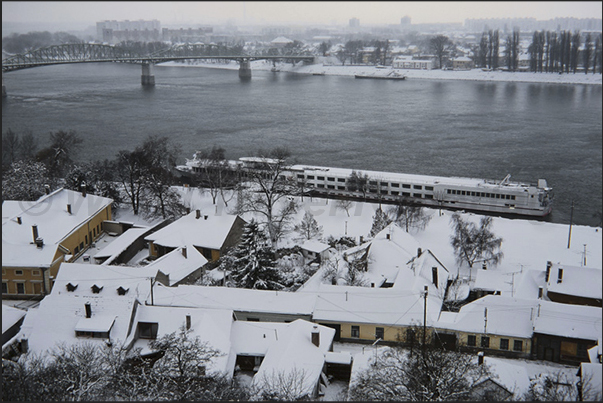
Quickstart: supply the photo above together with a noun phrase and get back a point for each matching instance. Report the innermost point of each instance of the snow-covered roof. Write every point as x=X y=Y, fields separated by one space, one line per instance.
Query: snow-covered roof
x=566 y=320
x=62 y=312
x=576 y=281
x=54 y=223
x=176 y=265
x=211 y=326
x=10 y=316
x=120 y=244
x=386 y=306
x=254 y=338
x=511 y=375
x=281 y=40
x=493 y=314
x=207 y=231
x=237 y=299
x=315 y=246
x=294 y=355
x=492 y=280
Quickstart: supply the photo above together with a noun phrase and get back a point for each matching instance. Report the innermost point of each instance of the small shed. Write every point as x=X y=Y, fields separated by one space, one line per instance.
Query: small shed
x=315 y=250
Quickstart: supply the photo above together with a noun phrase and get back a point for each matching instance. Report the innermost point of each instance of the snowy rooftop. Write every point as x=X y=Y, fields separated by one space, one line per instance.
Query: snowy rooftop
x=294 y=354
x=176 y=265
x=315 y=246
x=10 y=316
x=576 y=281
x=573 y=321
x=62 y=312
x=207 y=231
x=120 y=244
x=54 y=223
x=386 y=306
x=505 y=316
x=211 y=326
x=237 y=299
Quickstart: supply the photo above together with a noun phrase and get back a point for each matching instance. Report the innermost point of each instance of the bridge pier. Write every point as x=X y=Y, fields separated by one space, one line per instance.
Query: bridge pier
x=147 y=78
x=244 y=69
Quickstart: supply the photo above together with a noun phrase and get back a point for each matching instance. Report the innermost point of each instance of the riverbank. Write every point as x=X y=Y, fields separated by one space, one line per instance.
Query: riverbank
x=320 y=69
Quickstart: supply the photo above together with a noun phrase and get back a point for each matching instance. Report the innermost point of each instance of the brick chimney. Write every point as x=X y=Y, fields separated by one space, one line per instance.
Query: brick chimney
x=184 y=252
x=88 y=309
x=19 y=220
x=188 y=322
x=198 y=214
x=34 y=230
x=315 y=336
x=69 y=208
x=83 y=189
x=549 y=264
x=480 y=357
x=419 y=252
x=434 y=276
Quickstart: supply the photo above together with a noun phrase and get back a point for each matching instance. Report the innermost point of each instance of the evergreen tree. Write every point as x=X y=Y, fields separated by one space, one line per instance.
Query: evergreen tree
x=588 y=51
x=251 y=262
x=380 y=221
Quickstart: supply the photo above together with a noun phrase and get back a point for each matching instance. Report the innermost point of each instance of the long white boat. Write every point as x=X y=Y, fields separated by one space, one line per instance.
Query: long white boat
x=499 y=197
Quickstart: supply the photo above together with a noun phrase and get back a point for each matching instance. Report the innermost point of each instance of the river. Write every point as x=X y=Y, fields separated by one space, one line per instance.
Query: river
x=434 y=127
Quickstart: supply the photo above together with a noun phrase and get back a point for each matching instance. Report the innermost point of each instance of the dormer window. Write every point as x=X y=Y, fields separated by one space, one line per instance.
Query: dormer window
x=122 y=291
x=71 y=287
x=96 y=289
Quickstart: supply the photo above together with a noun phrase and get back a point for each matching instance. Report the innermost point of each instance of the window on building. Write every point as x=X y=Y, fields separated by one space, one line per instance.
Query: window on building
x=405 y=186
x=20 y=288
x=356 y=331
x=311 y=177
x=253 y=319
x=36 y=273
x=485 y=342
x=331 y=179
x=517 y=345
x=379 y=333
x=18 y=272
x=320 y=178
x=385 y=184
x=419 y=187
x=430 y=188
x=504 y=344
x=4 y=288
x=340 y=179
x=471 y=340
x=395 y=185
x=147 y=330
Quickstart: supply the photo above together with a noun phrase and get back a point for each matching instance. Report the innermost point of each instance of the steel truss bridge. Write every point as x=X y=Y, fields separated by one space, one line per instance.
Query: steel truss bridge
x=98 y=53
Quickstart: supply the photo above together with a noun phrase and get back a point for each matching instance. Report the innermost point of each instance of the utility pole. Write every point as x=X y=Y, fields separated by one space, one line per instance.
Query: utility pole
x=584 y=255
x=569 y=237
x=152 y=302
x=424 y=318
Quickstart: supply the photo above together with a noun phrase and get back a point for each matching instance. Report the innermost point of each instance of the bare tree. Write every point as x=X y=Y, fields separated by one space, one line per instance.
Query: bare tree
x=437 y=374
x=439 y=45
x=552 y=388
x=409 y=215
x=216 y=175
x=282 y=385
x=473 y=243
x=308 y=228
x=269 y=193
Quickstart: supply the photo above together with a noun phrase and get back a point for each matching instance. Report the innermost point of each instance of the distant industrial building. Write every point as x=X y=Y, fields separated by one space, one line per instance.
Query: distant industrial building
x=354 y=23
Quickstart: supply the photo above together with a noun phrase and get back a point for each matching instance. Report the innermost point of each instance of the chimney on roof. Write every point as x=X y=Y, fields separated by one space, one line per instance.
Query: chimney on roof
x=549 y=264
x=419 y=252
x=69 y=208
x=24 y=345
x=198 y=214
x=205 y=217
x=434 y=276
x=34 y=230
x=484 y=266
x=47 y=189
x=83 y=189
x=88 y=309
x=315 y=336
x=188 y=322
x=188 y=210
x=540 y=292
x=19 y=220
x=388 y=236
x=480 y=357
x=184 y=252
x=560 y=276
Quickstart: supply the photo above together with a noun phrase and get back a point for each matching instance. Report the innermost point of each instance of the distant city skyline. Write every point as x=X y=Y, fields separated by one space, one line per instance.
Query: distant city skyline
x=270 y=13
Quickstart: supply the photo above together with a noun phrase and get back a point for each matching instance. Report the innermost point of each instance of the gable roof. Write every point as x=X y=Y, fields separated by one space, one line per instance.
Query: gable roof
x=54 y=223
x=576 y=281
x=208 y=231
x=176 y=266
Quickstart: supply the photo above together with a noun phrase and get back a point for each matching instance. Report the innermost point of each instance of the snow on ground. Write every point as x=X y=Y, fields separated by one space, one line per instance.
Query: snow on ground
x=435 y=74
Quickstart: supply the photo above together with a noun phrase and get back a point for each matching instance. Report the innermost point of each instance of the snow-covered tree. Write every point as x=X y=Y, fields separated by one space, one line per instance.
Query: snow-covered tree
x=24 y=180
x=556 y=387
x=251 y=263
x=308 y=228
x=380 y=221
x=474 y=243
x=436 y=374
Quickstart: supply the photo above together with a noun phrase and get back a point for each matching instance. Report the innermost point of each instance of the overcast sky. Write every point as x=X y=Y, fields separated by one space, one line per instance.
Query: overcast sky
x=316 y=12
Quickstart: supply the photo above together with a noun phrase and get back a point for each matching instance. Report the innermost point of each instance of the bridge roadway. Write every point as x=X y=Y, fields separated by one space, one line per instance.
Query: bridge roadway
x=97 y=53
